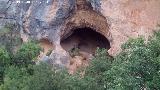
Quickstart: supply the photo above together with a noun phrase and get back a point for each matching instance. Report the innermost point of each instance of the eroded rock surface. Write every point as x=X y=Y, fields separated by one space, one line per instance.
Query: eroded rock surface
x=56 y=20
x=130 y=19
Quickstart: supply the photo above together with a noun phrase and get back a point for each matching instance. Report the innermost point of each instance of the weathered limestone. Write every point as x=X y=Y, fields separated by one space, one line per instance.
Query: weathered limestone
x=55 y=20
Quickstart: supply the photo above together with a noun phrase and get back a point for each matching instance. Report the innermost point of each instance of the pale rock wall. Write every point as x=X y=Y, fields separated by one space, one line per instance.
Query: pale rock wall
x=130 y=19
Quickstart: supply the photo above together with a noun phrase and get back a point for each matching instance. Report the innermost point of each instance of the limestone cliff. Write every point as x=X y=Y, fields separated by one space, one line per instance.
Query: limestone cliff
x=130 y=19
x=57 y=22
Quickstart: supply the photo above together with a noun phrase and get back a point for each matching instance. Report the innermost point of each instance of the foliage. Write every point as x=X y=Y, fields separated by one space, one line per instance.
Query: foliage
x=137 y=67
x=23 y=57
x=42 y=78
x=49 y=53
x=4 y=61
x=26 y=54
x=15 y=79
x=102 y=62
x=74 y=52
x=4 y=57
x=19 y=79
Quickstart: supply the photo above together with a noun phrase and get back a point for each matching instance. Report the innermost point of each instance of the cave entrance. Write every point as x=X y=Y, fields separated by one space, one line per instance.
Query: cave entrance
x=81 y=45
x=86 y=40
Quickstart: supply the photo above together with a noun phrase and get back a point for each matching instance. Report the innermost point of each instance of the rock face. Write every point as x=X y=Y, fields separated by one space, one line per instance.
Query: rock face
x=56 y=20
x=130 y=19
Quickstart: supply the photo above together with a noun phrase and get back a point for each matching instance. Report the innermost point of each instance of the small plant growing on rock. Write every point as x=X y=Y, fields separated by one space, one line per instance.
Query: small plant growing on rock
x=74 y=52
x=49 y=52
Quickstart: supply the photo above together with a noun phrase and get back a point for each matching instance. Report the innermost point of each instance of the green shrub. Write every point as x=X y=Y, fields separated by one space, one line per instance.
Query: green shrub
x=15 y=79
x=101 y=63
x=26 y=54
x=43 y=78
x=4 y=57
x=49 y=53
x=74 y=52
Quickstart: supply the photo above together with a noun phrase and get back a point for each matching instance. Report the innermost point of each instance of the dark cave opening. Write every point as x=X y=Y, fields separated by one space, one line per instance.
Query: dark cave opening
x=81 y=45
x=86 y=40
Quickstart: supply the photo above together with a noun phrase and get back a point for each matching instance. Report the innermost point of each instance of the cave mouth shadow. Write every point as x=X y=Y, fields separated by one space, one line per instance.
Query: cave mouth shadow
x=86 y=40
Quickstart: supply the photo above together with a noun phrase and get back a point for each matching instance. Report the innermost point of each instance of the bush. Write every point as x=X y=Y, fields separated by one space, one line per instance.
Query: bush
x=42 y=78
x=15 y=79
x=4 y=57
x=26 y=54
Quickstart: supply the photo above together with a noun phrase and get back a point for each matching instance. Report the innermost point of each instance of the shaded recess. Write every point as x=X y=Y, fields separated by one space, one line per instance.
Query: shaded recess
x=81 y=44
x=86 y=40
x=46 y=45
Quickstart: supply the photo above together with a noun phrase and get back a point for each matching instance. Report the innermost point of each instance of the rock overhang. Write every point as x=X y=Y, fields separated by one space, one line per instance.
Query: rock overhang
x=86 y=18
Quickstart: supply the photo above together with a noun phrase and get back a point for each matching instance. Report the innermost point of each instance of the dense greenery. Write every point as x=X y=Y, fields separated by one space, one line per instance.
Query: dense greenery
x=23 y=58
x=137 y=67
x=4 y=61
x=26 y=54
